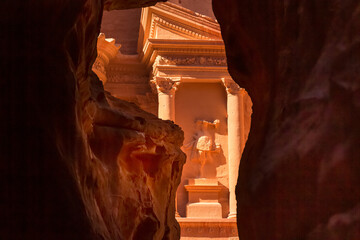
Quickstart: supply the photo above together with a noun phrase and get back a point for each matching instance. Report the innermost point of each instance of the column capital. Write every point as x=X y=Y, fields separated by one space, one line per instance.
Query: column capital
x=106 y=50
x=231 y=86
x=165 y=85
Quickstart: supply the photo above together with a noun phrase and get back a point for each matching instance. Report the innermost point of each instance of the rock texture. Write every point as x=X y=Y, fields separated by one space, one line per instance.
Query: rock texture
x=299 y=61
x=76 y=163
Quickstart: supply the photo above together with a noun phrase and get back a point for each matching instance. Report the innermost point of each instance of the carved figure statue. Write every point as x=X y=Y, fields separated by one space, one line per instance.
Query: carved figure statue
x=203 y=146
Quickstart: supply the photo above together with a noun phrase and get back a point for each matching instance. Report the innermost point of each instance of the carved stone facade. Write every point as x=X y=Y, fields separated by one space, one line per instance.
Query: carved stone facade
x=180 y=74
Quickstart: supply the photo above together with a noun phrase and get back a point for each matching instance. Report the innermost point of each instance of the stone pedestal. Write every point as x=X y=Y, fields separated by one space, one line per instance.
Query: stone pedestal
x=208 y=229
x=203 y=199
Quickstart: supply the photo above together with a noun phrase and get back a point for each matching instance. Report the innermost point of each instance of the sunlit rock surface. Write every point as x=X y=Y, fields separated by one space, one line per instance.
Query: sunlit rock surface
x=76 y=163
x=299 y=62
x=138 y=167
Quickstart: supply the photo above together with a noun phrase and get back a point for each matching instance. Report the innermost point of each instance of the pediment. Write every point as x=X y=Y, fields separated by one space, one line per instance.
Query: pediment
x=170 y=21
x=168 y=33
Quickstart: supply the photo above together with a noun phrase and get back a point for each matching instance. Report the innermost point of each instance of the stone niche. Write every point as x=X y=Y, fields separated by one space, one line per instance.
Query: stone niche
x=204 y=191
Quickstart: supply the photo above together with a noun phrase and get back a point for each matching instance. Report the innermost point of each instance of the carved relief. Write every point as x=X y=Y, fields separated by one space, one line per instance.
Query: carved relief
x=206 y=142
x=191 y=60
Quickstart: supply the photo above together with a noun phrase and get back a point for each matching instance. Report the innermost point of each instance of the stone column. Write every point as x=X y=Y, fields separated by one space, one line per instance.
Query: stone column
x=166 y=88
x=236 y=137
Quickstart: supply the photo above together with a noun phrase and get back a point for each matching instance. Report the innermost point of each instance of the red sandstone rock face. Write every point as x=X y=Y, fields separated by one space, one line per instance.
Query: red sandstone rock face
x=134 y=172
x=299 y=61
x=76 y=163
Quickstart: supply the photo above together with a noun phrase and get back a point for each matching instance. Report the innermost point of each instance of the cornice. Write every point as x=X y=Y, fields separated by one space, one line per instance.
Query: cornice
x=191 y=68
x=155 y=47
x=187 y=43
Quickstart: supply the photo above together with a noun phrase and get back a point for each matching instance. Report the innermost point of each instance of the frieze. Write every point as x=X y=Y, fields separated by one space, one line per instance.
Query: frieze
x=191 y=60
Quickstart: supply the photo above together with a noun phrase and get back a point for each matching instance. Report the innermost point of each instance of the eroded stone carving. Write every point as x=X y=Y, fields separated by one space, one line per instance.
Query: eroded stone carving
x=106 y=51
x=203 y=145
x=165 y=84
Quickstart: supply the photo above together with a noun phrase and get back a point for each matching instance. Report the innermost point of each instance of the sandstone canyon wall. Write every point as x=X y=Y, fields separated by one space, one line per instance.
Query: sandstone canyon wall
x=76 y=163
x=299 y=61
